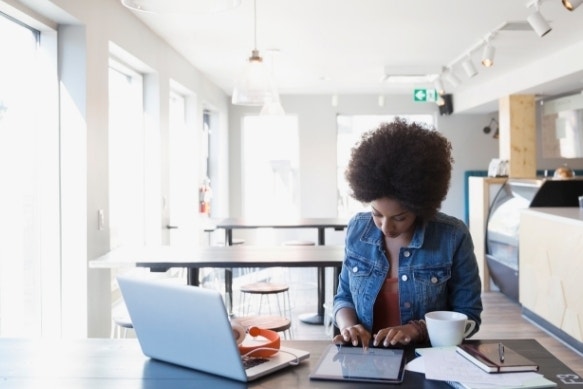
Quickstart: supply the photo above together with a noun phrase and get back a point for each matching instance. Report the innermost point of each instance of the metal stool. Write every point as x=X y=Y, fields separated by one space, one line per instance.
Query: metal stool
x=120 y=321
x=265 y=290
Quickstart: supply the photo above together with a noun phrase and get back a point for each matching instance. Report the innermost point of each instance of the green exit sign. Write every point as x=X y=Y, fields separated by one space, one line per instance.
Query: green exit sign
x=425 y=95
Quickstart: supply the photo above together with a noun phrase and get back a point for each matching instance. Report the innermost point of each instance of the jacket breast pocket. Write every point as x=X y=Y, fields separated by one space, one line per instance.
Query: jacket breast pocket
x=359 y=273
x=431 y=286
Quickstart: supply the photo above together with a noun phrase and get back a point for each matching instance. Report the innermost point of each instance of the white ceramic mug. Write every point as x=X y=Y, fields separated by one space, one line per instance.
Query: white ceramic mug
x=448 y=328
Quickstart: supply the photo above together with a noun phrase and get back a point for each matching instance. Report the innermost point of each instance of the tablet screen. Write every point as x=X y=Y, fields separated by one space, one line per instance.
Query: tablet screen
x=346 y=363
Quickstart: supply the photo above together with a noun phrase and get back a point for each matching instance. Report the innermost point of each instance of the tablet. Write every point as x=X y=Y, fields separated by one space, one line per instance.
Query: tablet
x=348 y=363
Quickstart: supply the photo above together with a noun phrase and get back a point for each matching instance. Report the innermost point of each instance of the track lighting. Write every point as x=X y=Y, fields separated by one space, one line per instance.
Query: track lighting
x=537 y=21
x=469 y=67
x=488 y=55
x=451 y=78
x=572 y=4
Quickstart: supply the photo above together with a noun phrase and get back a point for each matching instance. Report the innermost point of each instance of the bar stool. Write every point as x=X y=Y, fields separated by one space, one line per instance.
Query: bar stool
x=120 y=321
x=265 y=290
x=275 y=294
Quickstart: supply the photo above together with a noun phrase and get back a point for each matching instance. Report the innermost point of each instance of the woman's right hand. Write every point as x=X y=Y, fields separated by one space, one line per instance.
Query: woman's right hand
x=354 y=335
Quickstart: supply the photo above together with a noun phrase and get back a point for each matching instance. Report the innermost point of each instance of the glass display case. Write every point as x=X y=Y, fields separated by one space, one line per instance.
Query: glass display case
x=502 y=231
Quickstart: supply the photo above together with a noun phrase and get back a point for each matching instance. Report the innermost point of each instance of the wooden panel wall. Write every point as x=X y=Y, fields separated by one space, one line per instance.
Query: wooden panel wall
x=517 y=125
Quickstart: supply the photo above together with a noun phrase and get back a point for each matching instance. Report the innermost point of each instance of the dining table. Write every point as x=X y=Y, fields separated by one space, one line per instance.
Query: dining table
x=229 y=225
x=120 y=363
x=193 y=258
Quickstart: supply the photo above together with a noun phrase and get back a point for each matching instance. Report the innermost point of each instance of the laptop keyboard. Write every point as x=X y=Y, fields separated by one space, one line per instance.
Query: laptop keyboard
x=249 y=362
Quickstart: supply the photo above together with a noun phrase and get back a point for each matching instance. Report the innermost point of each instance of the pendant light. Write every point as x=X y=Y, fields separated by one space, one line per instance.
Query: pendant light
x=254 y=86
x=272 y=105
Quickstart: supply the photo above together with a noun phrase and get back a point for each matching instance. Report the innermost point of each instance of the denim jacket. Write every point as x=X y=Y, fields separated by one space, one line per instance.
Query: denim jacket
x=437 y=271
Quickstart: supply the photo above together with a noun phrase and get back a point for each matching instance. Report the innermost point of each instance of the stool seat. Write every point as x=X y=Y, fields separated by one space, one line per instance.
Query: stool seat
x=268 y=322
x=264 y=288
x=121 y=324
x=299 y=243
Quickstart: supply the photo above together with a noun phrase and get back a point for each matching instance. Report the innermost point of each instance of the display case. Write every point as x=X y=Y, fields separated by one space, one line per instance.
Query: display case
x=502 y=232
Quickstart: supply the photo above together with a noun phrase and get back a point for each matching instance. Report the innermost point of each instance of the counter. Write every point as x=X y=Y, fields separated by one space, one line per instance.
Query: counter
x=551 y=271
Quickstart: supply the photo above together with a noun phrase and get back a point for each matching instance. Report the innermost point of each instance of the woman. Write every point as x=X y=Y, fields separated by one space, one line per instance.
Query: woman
x=404 y=258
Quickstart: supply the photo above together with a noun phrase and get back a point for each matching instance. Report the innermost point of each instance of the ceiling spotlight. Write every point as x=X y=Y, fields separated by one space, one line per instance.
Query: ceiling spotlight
x=451 y=78
x=469 y=67
x=488 y=55
x=537 y=22
x=572 y=4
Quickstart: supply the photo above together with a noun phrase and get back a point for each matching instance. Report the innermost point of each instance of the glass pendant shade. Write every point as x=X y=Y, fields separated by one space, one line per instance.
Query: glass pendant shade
x=272 y=106
x=254 y=86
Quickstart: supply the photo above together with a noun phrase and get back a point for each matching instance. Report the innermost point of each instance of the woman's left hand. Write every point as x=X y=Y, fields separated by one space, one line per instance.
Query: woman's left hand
x=391 y=336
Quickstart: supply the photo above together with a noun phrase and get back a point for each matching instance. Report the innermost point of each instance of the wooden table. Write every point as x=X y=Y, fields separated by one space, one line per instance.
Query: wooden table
x=320 y=224
x=119 y=363
x=162 y=258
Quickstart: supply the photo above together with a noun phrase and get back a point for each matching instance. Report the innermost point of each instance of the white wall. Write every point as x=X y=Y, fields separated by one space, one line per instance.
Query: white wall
x=472 y=150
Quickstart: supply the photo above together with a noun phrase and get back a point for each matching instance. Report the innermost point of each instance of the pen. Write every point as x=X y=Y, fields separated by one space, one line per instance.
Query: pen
x=501 y=352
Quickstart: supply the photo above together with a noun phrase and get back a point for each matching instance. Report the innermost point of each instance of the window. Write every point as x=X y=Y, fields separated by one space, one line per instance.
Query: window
x=270 y=167
x=183 y=158
x=126 y=157
x=350 y=129
x=30 y=268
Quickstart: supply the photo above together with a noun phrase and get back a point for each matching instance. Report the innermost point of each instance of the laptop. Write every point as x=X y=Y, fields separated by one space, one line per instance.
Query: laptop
x=189 y=326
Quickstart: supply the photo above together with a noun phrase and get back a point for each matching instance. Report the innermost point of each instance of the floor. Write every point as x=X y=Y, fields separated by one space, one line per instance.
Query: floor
x=501 y=318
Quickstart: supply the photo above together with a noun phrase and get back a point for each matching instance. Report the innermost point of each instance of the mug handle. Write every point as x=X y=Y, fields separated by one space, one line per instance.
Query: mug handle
x=470 y=325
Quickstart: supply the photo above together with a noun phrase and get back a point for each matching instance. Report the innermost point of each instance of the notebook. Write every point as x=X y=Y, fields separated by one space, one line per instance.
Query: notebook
x=496 y=357
x=188 y=326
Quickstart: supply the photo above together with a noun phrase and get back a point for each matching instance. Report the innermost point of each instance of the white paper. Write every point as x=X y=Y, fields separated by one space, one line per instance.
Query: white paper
x=445 y=364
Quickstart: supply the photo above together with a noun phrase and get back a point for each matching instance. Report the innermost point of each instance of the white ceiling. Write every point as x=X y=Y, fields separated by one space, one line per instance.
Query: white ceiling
x=344 y=46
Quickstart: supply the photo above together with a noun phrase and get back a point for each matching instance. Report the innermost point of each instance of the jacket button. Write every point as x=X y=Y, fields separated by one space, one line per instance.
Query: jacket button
x=407 y=254
x=355 y=269
x=434 y=280
x=404 y=277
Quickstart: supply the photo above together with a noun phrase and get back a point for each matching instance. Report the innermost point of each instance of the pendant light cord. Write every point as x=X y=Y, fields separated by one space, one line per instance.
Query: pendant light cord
x=255 y=24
